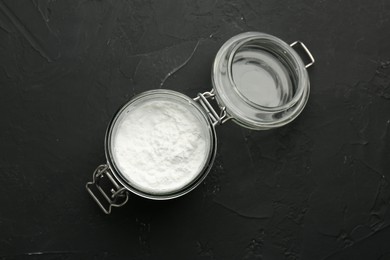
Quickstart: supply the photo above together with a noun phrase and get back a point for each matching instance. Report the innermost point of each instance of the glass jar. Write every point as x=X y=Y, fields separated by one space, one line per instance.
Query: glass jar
x=259 y=82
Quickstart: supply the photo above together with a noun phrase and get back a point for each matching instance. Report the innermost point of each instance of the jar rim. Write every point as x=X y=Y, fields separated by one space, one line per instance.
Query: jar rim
x=276 y=40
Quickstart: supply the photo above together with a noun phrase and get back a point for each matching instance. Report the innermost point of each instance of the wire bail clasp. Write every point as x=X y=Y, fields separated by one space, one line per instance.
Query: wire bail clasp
x=308 y=53
x=119 y=195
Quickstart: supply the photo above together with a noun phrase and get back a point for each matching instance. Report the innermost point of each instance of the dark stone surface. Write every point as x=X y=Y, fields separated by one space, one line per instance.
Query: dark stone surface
x=315 y=189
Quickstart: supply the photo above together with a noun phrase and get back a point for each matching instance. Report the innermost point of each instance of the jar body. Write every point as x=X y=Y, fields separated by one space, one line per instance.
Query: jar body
x=161 y=95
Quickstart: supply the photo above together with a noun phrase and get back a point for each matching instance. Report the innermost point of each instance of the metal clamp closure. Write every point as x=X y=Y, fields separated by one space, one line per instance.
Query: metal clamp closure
x=215 y=118
x=307 y=53
x=118 y=196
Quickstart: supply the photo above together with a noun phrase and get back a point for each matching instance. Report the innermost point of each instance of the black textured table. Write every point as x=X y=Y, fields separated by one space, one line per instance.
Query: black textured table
x=317 y=188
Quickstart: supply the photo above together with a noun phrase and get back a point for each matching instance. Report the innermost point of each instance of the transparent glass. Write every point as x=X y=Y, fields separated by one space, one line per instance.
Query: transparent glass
x=260 y=80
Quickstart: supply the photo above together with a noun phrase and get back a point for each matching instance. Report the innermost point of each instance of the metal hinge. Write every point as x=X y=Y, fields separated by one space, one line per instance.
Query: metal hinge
x=215 y=117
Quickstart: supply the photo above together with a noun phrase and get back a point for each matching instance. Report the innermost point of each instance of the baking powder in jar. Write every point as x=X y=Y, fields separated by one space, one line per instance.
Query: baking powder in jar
x=160 y=146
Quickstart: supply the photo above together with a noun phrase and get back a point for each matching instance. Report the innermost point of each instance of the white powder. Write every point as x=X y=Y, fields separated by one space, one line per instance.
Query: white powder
x=160 y=146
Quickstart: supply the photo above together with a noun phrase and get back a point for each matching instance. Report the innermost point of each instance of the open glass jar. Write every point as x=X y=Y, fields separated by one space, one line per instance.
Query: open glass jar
x=162 y=144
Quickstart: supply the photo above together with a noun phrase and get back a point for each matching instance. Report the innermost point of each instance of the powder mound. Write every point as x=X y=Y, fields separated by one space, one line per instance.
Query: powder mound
x=160 y=146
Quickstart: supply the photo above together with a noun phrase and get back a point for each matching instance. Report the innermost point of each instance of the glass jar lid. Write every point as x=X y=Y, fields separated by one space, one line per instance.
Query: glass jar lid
x=260 y=80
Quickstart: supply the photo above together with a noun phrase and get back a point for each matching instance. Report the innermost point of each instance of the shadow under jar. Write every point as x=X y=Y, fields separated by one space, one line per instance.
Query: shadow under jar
x=162 y=144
